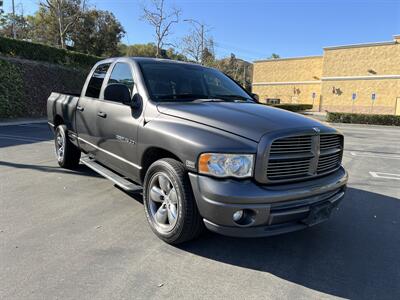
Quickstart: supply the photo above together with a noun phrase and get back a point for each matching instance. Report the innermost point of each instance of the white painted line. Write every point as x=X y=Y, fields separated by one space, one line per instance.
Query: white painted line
x=385 y=175
x=370 y=154
x=23 y=139
x=32 y=125
x=13 y=123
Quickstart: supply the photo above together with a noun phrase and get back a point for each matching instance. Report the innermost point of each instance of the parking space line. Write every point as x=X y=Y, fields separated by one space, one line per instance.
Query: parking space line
x=385 y=175
x=371 y=154
x=23 y=139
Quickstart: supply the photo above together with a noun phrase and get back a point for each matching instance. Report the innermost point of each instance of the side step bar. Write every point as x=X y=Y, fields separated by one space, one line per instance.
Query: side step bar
x=107 y=173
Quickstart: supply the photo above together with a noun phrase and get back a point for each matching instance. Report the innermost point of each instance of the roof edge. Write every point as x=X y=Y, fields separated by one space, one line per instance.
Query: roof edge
x=387 y=43
x=287 y=58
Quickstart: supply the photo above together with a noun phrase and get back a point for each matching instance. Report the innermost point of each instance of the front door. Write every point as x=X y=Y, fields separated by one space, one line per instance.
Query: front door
x=86 y=110
x=397 y=113
x=117 y=126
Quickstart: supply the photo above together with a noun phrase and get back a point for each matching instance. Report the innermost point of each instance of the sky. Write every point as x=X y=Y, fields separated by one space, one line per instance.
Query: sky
x=254 y=29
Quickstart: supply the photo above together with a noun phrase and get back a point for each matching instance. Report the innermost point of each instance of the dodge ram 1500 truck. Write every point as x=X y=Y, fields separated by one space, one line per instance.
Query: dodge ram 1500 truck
x=204 y=153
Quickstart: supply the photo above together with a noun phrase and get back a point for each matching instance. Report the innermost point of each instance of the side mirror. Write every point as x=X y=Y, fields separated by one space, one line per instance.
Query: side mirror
x=118 y=92
x=255 y=97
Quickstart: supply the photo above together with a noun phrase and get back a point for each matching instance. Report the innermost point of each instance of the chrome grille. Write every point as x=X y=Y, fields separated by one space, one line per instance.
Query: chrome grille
x=330 y=141
x=331 y=153
x=292 y=145
x=297 y=157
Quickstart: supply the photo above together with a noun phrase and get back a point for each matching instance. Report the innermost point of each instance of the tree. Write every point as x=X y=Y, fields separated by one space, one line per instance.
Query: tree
x=274 y=56
x=192 y=46
x=97 y=32
x=162 y=21
x=22 y=26
x=149 y=50
x=65 y=13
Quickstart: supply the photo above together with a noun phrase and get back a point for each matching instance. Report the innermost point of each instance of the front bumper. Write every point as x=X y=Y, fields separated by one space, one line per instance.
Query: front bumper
x=272 y=209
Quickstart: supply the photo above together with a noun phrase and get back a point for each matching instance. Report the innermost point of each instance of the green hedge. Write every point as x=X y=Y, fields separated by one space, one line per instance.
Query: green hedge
x=39 y=52
x=25 y=86
x=293 y=107
x=363 y=119
x=11 y=90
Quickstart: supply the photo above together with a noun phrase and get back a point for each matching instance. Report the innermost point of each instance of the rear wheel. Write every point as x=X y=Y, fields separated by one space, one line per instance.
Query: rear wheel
x=67 y=154
x=169 y=203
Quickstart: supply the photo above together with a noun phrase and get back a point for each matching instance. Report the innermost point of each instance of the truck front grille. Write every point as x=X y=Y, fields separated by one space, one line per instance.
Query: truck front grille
x=301 y=157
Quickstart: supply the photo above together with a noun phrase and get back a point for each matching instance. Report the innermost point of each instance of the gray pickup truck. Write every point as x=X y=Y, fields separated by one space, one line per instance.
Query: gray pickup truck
x=200 y=148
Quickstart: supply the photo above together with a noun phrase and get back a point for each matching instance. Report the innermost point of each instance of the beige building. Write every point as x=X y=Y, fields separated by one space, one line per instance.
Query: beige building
x=362 y=78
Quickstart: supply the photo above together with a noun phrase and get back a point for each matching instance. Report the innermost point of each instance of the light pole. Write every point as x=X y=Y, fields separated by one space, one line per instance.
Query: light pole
x=201 y=34
x=13 y=22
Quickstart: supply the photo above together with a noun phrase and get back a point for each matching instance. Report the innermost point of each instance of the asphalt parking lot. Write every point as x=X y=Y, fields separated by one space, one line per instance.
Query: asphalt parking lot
x=73 y=235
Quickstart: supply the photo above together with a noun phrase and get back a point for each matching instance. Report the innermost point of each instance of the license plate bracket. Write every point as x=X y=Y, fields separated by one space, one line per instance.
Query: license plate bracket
x=319 y=213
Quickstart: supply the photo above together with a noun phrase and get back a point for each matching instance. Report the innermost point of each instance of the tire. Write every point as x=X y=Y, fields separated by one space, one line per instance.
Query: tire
x=68 y=156
x=188 y=223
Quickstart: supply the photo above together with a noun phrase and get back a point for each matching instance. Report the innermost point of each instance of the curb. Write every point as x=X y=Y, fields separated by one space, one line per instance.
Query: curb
x=364 y=125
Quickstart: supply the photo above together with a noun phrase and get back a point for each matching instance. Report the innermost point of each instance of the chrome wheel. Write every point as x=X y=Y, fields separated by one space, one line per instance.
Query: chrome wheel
x=60 y=146
x=163 y=202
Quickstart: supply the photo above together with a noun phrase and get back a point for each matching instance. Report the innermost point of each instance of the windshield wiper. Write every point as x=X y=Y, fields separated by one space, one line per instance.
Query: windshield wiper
x=233 y=97
x=189 y=97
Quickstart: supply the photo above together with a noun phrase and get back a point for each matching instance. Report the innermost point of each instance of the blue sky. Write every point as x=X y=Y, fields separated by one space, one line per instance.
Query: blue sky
x=254 y=29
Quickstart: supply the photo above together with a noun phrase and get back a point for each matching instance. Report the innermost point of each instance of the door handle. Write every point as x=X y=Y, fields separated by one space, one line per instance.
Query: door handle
x=101 y=114
x=80 y=108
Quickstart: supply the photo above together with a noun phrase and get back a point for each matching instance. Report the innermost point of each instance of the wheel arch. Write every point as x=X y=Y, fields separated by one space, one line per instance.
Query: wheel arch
x=58 y=120
x=153 y=154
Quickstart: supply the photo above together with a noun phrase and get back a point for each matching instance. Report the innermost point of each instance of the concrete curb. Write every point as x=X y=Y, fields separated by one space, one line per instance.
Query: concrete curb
x=364 y=125
x=22 y=122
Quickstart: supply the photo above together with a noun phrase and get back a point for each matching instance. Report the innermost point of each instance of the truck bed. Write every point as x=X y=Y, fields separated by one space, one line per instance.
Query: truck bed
x=62 y=105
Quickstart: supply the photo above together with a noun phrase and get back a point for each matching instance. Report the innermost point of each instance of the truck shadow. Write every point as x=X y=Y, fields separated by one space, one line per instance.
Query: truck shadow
x=81 y=170
x=354 y=255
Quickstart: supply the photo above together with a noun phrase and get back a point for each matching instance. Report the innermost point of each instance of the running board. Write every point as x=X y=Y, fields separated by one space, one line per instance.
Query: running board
x=107 y=173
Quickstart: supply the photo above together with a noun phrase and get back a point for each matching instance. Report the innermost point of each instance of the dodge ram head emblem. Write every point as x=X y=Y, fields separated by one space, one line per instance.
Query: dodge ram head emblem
x=316 y=130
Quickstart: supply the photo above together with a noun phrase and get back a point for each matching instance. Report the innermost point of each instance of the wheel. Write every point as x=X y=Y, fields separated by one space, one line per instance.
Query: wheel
x=169 y=203
x=67 y=154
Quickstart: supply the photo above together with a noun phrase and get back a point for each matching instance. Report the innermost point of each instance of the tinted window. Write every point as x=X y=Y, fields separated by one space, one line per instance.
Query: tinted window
x=167 y=81
x=122 y=74
x=94 y=87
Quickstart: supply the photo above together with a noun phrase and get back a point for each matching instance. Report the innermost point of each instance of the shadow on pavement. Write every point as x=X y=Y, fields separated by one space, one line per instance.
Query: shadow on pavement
x=80 y=170
x=354 y=255
x=14 y=135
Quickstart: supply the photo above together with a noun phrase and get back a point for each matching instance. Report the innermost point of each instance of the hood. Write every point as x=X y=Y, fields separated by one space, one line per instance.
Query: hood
x=248 y=120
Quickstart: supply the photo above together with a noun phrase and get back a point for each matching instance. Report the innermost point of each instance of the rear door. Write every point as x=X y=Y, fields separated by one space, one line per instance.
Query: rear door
x=118 y=126
x=86 y=110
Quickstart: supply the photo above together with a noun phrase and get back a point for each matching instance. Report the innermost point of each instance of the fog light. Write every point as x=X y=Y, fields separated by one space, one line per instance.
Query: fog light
x=237 y=215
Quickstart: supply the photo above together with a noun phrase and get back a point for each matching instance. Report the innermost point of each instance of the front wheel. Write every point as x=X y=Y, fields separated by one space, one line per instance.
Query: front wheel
x=169 y=203
x=68 y=155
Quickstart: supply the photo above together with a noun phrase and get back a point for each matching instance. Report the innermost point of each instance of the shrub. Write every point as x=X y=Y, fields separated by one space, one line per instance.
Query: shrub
x=292 y=107
x=40 y=52
x=11 y=90
x=363 y=119
x=25 y=86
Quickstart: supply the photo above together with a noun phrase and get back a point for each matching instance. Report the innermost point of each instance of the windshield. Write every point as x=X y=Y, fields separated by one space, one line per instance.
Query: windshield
x=177 y=82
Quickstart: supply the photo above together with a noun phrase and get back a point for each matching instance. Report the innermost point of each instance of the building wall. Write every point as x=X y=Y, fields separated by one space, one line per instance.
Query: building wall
x=344 y=70
x=291 y=80
x=334 y=77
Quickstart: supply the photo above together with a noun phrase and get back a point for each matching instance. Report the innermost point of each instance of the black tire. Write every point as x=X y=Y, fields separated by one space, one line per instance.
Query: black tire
x=71 y=155
x=189 y=224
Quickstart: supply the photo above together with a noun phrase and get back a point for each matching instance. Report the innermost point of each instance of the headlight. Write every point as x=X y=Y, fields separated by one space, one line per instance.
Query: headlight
x=226 y=165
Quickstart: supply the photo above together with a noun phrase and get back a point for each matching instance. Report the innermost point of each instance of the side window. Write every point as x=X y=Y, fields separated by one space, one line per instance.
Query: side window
x=122 y=74
x=95 y=83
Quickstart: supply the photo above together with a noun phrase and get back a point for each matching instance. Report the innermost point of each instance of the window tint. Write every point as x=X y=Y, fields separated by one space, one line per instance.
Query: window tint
x=94 y=87
x=122 y=74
